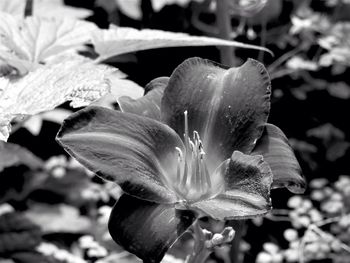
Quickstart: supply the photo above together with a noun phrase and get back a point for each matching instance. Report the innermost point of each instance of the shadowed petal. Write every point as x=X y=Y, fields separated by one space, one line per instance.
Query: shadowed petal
x=148 y=105
x=147 y=229
x=246 y=189
x=274 y=147
x=228 y=107
x=136 y=152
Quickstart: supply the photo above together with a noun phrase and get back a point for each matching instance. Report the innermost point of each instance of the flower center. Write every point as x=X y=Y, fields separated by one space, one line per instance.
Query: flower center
x=193 y=179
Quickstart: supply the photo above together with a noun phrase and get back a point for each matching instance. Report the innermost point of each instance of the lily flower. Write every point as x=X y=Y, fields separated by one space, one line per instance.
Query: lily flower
x=197 y=144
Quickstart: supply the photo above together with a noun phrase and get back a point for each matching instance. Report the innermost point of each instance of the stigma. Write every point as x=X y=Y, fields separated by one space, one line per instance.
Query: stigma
x=192 y=176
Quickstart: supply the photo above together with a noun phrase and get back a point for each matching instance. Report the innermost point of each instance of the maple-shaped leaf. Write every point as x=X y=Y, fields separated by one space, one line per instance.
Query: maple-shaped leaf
x=120 y=86
x=120 y=40
x=26 y=42
x=74 y=79
x=44 y=8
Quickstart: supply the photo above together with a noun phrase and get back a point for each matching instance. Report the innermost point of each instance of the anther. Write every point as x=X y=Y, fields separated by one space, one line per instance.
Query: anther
x=201 y=154
x=196 y=136
x=179 y=153
x=200 y=145
x=192 y=146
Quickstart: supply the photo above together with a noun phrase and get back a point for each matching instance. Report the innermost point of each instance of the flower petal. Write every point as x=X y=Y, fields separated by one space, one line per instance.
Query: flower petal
x=247 y=182
x=147 y=229
x=148 y=105
x=136 y=152
x=274 y=146
x=228 y=107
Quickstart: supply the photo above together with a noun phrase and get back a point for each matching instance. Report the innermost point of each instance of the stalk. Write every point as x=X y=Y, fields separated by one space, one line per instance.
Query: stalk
x=235 y=253
x=223 y=21
x=28 y=10
x=200 y=251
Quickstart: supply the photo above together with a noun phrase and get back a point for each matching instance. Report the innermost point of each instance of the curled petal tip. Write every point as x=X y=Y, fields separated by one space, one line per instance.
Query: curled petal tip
x=274 y=147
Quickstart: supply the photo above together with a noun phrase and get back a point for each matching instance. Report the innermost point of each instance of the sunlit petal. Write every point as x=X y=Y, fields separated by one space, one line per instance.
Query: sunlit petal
x=136 y=152
x=147 y=229
x=148 y=105
x=228 y=107
x=274 y=146
x=245 y=191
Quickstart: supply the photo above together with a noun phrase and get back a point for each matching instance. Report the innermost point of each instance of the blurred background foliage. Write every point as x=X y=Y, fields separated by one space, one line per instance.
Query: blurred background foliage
x=53 y=210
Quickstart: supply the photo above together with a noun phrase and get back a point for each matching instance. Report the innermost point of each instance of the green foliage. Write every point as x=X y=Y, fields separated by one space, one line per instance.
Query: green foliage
x=54 y=210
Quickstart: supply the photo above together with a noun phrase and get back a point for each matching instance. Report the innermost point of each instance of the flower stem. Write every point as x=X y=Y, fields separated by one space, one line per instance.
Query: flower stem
x=28 y=10
x=223 y=20
x=200 y=250
x=235 y=252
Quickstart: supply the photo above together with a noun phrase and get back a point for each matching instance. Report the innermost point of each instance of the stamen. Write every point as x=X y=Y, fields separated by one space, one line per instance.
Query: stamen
x=193 y=179
x=184 y=177
x=196 y=136
x=207 y=176
x=178 y=172
x=200 y=146
x=192 y=146
x=179 y=161
x=186 y=137
x=203 y=177
x=193 y=170
x=198 y=175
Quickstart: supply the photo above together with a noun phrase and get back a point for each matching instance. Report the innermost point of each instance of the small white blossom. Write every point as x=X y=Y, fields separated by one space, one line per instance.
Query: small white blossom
x=290 y=234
